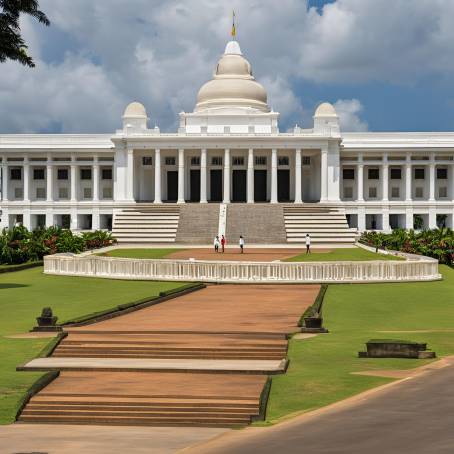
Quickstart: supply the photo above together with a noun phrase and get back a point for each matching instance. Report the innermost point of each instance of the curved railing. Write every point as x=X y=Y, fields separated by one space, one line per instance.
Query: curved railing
x=419 y=269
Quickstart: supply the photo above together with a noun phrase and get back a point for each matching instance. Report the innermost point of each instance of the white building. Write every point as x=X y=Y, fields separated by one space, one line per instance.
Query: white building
x=229 y=149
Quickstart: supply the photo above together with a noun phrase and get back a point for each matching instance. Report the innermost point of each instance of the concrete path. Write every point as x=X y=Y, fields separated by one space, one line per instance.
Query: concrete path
x=414 y=416
x=58 y=439
x=138 y=364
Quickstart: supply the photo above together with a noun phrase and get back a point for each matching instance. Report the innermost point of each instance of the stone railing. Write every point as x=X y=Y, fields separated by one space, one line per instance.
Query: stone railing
x=424 y=269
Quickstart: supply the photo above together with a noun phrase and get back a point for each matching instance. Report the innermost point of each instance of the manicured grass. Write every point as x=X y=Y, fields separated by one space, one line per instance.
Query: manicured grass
x=346 y=254
x=140 y=253
x=320 y=367
x=22 y=296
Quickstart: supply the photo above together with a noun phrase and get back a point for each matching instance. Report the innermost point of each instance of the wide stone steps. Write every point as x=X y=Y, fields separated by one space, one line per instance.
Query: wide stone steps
x=146 y=225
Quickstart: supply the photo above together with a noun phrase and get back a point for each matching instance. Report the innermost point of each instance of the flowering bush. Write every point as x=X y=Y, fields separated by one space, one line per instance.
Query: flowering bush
x=438 y=243
x=19 y=245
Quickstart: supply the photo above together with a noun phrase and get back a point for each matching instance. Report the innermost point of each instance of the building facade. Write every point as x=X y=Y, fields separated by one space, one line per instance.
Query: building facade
x=229 y=149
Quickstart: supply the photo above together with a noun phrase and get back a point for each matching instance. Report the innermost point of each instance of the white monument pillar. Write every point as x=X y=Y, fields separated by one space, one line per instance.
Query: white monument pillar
x=432 y=179
x=250 y=176
x=324 y=174
x=203 y=176
x=157 y=176
x=130 y=174
x=385 y=179
x=181 y=176
x=360 y=188
x=49 y=180
x=96 y=180
x=26 y=180
x=298 y=191
x=408 y=176
x=4 y=179
x=226 y=176
x=273 y=176
x=73 y=181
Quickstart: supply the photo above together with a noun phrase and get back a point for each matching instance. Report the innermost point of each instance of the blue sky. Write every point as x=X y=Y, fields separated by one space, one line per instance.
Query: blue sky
x=386 y=65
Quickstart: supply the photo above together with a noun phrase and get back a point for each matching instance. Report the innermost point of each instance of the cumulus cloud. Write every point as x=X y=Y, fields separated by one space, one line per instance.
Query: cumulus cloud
x=98 y=56
x=349 y=111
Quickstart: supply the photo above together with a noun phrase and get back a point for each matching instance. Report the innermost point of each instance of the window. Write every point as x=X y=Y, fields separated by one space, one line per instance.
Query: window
x=106 y=174
x=419 y=192
x=87 y=193
x=283 y=160
x=260 y=160
x=40 y=220
x=237 y=160
x=40 y=193
x=372 y=192
x=107 y=193
x=442 y=192
x=419 y=174
x=85 y=174
x=18 y=193
x=63 y=193
x=62 y=174
x=373 y=174
x=147 y=161
x=348 y=193
x=396 y=174
x=170 y=161
x=15 y=173
x=348 y=174
x=306 y=160
x=216 y=161
x=195 y=161
x=442 y=174
x=395 y=192
x=38 y=174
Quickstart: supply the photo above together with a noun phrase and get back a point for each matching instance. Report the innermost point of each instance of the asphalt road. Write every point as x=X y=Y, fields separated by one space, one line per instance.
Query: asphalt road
x=415 y=416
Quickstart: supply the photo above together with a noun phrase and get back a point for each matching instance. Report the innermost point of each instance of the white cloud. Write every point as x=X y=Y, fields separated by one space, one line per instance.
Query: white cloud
x=349 y=111
x=160 y=52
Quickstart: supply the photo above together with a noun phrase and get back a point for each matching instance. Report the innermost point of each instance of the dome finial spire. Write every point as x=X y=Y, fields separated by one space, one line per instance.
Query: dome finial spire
x=233 y=32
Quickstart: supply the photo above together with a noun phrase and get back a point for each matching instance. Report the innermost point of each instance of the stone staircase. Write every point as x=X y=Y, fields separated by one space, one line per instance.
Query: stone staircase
x=326 y=225
x=199 y=223
x=172 y=346
x=258 y=223
x=147 y=399
x=150 y=224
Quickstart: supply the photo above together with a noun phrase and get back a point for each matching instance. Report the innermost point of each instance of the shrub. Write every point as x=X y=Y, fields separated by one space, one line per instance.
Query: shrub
x=437 y=243
x=19 y=245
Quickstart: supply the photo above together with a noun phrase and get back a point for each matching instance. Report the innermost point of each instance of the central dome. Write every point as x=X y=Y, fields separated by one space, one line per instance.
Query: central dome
x=233 y=84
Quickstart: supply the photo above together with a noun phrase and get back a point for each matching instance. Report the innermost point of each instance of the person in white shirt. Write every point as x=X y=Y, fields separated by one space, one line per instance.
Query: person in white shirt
x=242 y=243
x=216 y=243
x=308 y=243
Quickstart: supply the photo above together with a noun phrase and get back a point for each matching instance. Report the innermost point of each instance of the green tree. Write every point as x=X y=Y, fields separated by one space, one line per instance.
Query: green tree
x=12 y=45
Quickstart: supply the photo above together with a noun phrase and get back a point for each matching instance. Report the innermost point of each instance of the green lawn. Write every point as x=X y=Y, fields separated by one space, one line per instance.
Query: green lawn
x=140 y=253
x=22 y=296
x=320 y=367
x=347 y=254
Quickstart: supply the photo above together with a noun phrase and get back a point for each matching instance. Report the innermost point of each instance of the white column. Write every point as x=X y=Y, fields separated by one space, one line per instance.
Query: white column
x=273 y=176
x=73 y=182
x=181 y=176
x=157 y=176
x=298 y=192
x=250 y=176
x=4 y=180
x=96 y=180
x=49 y=182
x=324 y=174
x=26 y=177
x=226 y=176
x=408 y=177
x=385 y=220
x=432 y=179
x=203 y=176
x=360 y=176
x=130 y=175
x=385 y=179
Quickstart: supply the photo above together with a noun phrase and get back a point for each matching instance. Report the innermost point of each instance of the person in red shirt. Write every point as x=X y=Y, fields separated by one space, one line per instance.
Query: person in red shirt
x=223 y=243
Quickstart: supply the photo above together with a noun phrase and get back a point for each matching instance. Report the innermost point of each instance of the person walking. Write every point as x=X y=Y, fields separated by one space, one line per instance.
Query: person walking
x=308 y=243
x=222 y=243
x=216 y=243
x=242 y=244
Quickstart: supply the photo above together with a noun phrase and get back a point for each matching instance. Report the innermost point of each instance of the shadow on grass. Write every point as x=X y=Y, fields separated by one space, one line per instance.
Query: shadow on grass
x=6 y=286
